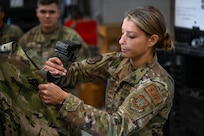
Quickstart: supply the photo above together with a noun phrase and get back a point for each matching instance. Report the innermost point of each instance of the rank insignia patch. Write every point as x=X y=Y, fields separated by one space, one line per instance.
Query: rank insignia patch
x=139 y=103
x=93 y=60
x=154 y=94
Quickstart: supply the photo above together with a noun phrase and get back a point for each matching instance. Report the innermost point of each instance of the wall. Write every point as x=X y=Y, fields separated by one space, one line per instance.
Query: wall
x=107 y=11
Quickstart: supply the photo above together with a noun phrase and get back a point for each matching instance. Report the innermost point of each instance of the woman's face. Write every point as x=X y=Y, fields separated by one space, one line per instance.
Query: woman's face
x=134 y=43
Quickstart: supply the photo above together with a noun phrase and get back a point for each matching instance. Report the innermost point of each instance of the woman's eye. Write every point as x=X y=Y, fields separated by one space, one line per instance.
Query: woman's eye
x=131 y=36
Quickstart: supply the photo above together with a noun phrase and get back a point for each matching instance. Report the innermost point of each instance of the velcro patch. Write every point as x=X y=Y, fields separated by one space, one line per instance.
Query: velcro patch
x=154 y=94
x=139 y=103
x=94 y=60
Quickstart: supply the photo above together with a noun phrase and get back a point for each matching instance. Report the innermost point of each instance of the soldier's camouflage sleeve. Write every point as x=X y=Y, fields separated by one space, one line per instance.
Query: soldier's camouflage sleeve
x=135 y=116
x=22 y=113
x=96 y=68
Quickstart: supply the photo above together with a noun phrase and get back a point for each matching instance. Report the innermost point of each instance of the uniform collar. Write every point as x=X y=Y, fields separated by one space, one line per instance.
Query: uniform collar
x=43 y=37
x=126 y=73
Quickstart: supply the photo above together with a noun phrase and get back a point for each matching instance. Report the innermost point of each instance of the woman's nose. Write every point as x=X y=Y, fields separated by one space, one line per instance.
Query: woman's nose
x=121 y=40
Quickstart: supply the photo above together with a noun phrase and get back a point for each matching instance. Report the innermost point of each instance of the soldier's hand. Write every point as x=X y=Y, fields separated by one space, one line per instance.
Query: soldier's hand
x=52 y=94
x=54 y=66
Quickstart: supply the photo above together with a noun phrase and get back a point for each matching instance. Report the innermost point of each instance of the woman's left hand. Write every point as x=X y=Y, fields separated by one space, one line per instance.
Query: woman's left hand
x=52 y=94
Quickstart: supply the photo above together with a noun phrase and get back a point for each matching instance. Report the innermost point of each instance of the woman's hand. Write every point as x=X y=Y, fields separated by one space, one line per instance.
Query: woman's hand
x=54 y=66
x=52 y=94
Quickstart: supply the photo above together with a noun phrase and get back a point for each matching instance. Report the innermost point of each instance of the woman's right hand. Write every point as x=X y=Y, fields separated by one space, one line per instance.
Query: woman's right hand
x=54 y=66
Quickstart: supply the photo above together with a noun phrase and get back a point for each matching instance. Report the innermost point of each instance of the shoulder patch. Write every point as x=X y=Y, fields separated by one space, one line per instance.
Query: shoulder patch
x=154 y=94
x=93 y=60
x=139 y=103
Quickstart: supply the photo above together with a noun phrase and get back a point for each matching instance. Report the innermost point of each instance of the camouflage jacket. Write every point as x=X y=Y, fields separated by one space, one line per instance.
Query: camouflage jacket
x=138 y=101
x=40 y=46
x=10 y=33
x=22 y=113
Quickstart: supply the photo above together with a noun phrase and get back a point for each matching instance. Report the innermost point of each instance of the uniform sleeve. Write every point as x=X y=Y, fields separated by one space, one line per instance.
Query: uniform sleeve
x=91 y=69
x=146 y=102
x=141 y=105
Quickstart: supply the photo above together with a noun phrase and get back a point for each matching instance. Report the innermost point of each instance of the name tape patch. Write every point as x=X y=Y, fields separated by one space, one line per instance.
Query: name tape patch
x=154 y=94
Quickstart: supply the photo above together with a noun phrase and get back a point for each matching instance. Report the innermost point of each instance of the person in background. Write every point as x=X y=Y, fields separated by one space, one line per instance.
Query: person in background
x=39 y=42
x=8 y=32
x=139 y=92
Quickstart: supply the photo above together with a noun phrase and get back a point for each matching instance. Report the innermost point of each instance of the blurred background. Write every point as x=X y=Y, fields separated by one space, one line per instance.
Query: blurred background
x=99 y=22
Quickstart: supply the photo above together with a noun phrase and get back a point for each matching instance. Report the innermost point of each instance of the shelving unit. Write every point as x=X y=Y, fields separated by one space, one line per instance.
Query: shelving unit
x=187 y=113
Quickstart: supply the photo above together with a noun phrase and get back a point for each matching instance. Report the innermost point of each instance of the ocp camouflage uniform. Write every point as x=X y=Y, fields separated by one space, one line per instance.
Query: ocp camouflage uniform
x=21 y=111
x=40 y=46
x=138 y=101
x=10 y=33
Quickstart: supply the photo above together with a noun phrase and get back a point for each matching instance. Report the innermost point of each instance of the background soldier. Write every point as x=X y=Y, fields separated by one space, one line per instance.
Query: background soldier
x=39 y=42
x=8 y=32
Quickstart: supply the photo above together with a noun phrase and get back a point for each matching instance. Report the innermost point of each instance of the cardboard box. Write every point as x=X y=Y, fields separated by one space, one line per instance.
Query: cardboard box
x=109 y=36
x=93 y=93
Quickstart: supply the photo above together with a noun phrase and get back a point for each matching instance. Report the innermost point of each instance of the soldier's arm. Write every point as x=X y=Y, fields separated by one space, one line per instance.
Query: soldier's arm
x=91 y=69
x=143 y=104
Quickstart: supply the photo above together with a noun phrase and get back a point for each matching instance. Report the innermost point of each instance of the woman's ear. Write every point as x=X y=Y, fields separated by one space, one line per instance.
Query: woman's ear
x=153 y=39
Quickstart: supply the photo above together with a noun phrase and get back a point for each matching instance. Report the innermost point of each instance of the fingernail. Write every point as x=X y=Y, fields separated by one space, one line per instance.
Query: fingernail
x=56 y=72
